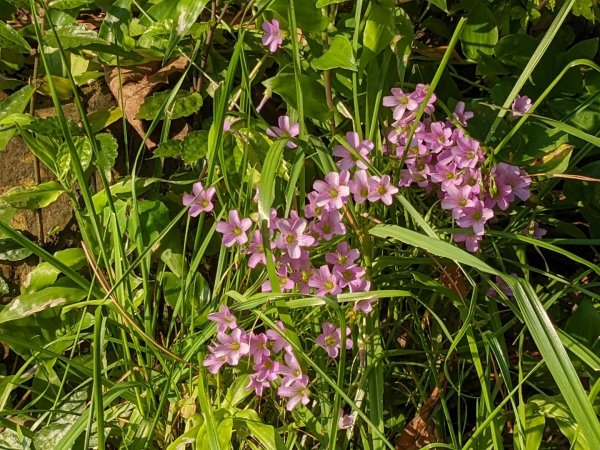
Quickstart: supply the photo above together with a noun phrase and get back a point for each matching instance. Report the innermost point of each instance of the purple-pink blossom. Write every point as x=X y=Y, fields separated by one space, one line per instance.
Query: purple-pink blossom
x=232 y=346
x=331 y=339
x=348 y=160
x=324 y=281
x=333 y=191
x=521 y=105
x=285 y=129
x=200 y=201
x=381 y=189
x=296 y=393
x=273 y=37
x=234 y=230
x=224 y=319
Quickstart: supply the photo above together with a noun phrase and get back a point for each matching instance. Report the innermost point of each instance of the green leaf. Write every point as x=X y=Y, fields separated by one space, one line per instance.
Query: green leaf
x=11 y=251
x=101 y=119
x=13 y=104
x=323 y=3
x=51 y=297
x=154 y=218
x=481 y=33
x=194 y=146
x=69 y=4
x=45 y=274
x=34 y=197
x=108 y=152
x=584 y=324
x=184 y=104
x=267 y=179
x=379 y=29
x=440 y=4
x=11 y=39
x=309 y=17
x=339 y=55
x=434 y=246
x=313 y=92
x=75 y=37
x=237 y=391
x=168 y=149
x=263 y=433
x=3 y=287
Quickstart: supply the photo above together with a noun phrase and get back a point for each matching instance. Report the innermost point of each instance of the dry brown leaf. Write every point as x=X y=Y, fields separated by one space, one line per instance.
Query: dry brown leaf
x=138 y=82
x=420 y=432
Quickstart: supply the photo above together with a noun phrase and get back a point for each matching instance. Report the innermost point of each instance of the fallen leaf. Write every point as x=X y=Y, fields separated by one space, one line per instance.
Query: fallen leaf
x=137 y=83
x=420 y=432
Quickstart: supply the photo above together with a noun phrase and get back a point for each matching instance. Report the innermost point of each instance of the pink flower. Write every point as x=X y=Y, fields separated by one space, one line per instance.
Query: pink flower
x=224 y=319
x=457 y=198
x=400 y=102
x=292 y=237
x=267 y=369
x=462 y=116
x=256 y=250
x=200 y=201
x=232 y=346
x=331 y=339
x=334 y=191
x=285 y=282
x=348 y=273
x=324 y=281
x=439 y=136
x=296 y=393
x=279 y=343
x=259 y=349
x=521 y=105
x=213 y=363
x=475 y=216
x=258 y=384
x=364 y=306
x=291 y=370
x=467 y=153
x=273 y=37
x=234 y=231
x=285 y=129
x=343 y=255
x=471 y=240
x=345 y=422
x=330 y=225
x=381 y=189
x=359 y=186
x=348 y=161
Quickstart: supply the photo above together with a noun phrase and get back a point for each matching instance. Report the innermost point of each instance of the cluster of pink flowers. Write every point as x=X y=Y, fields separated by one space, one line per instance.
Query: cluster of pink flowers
x=441 y=157
x=268 y=354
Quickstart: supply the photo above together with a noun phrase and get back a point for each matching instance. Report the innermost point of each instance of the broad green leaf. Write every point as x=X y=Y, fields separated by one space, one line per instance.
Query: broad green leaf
x=339 y=55
x=154 y=218
x=115 y=27
x=323 y=3
x=11 y=251
x=313 y=92
x=557 y=161
x=584 y=324
x=11 y=39
x=168 y=149
x=108 y=152
x=45 y=274
x=3 y=287
x=13 y=104
x=69 y=4
x=440 y=4
x=237 y=391
x=309 y=17
x=75 y=37
x=481 y=33
x=51 y=297
x=184 y=104
x=99 y=120
x=434 y=246
x=34 y=197
x=379 y=30
x=265 y=434
x=194 y=146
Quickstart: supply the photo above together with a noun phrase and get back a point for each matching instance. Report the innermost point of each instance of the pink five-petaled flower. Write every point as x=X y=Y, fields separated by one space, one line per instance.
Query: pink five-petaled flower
x=273 y=37
x=457 y=198
x=331 y=339
x=200 y=201
x=292 y=237
x=224 y=319
x=296 y=393
x=279 y=343
x=232 y=346
x=234 y=230
x=462 y=116
x=291 y=370
x=359 y=186
x=214 y=363
x=343 y=255
x=285 y=129
x=333 y=191
x=400 y=102
x=470 y=239
x=346 y=422
x=259 y=347
x=348 y=161
x=381 y=189
x=324 y=281
x=521 y=105
x=475 y=217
